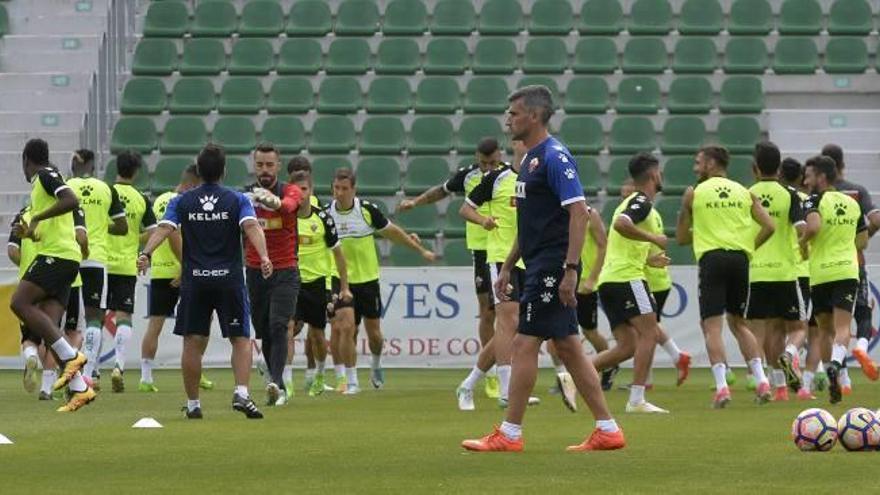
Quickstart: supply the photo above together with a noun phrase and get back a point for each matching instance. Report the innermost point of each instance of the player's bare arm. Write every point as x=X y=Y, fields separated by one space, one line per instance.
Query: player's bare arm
x=67 y=202
x=157 y=237
x=470 y=214
x=254 y=233
x=578 y=216
x=683 y=233
x=625 y=227
x=397 y=235
x=430 y=196
x=600 y=240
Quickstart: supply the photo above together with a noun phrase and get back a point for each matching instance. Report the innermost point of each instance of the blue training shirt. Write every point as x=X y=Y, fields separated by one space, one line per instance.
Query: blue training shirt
x=210 y=218
x=548 y=181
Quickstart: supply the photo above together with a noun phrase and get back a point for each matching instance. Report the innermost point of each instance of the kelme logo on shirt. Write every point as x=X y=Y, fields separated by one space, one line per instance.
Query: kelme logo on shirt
x=208 y=202
x=723 y=192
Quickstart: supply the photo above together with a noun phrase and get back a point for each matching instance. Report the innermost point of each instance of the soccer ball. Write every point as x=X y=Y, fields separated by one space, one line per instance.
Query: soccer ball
x=814 y=429
x=859 y=429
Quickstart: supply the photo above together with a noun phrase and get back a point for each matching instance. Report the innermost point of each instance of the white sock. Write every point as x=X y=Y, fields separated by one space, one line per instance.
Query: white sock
x=49 y=377
x=838 y=354
x=504 y=378
x=340 y=370
x=757 y=370
x=510 y=430
x=607 y=425
x=560 y=368
x=862 y=344
x=29 y=351
x=63 y=349
x=844 y=377
x=91 y=347
x=471 y=381
x=672 y=349
x=147 y=370
x=808 y=380
x=376 y=362
x=191 y=405
x=791 y=350
x=719 y=371
x=820 y=367
x=242 y=391
x=493 y=371
x=77 y=384
x=636 y=394
x=310 y=374
x=320 y=365
x=123 y=333
x=777 y=378
x=351 y=376
x=287 y=374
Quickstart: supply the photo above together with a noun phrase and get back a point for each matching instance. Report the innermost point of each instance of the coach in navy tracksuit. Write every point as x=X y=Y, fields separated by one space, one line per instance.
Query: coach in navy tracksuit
x=212 y=218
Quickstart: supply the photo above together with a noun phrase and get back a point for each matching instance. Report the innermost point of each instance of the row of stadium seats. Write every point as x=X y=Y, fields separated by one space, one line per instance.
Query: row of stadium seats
x=450 y=56
x=434 y=95
x=428 y=135
x=4 y=21
x=503 y=17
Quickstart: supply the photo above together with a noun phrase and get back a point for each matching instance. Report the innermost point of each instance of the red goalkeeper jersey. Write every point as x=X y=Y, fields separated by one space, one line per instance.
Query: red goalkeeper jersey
x=279 y=227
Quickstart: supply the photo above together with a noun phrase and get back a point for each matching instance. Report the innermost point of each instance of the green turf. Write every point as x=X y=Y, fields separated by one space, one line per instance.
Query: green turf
x=405 y=439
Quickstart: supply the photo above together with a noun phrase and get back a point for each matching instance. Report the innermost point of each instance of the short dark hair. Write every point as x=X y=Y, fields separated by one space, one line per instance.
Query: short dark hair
x=791 y=170
x=640 y=164
x=192 y=169
x=211 y=163
x=84 y=156
x=767 y=158
x=267 y=147
x=298 y=163
x=344 y=173
x=299 y=176
x=834 y=152
x=718 y=154
x=535 y=97
x=128 y=163
x=824 y=165
x=487 y=146
x=36 y=151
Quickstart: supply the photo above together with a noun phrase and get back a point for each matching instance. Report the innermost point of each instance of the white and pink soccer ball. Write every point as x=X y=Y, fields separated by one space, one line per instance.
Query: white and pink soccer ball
x=814 y=430
x=859 y=430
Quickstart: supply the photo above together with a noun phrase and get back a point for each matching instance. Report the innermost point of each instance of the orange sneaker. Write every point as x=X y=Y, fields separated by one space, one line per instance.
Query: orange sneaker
x=781 y=394
x=684 y=366
x=721 y=399
x=600 y=440
x=869 y=367
x=763 y=393
x=846 y=389
x=494 y=442
x=804 y=394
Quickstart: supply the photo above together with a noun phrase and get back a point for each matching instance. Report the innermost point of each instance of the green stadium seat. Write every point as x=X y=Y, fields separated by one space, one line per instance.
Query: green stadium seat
x=430 y=136
x=423 y=173
x=236 y=134
x=644 y=56
x=437 y=95
x=135 y=133
x=632 y=135
x=486 y=95
x=166 y=20
x=453 y=18
x=691 y=95
x=290 y=95
x=594 y=55
x=587 y=94
x=405 y=18
x=590 y=176
x=603 y=17
x=740 y=170
x=850 y=18
x=169 y=169
x=397 y=56
x=742 y=94
x=551 y=17
x=801 y=17
x=382 y=136
x=750 y=17
x=547 y=81
x=582 y=134
x=650 y=17
x=446 y=56
x=501 y=17
x=494 y=56
x=389 y=95
x=183 y=135
x=423 y=221
x=214 y=19
x=203 y=57
x=238 y=175
x=739 y=134
x=287 y=133
x=453 y=223
x=243 y=95
x=702 y=17
x=545 y=56
x=348 y=56
x=456 y=253
x=261 y=18
x=667 y=208
x=795 y=55
x=745 y=56
x=143 y=95
x=682 y=135
x=251 y=57
x=678 y=174
x=378 y=175
x=404 y=256
x=309 y=18
x=475 y=128
x=608 y=208
x=845 y=55
x=154 y=57
x=332 y=134
x=340 y=95
x=638 y=95
x=299 y=56
x=695 y=55
x=618 y=173
x=192 y=95
x=323 y=169
x=680 y=255
x=357 y=18
x=4 y=21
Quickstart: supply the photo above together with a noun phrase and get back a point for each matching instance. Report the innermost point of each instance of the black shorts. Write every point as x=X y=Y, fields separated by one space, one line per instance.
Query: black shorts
x=660 y=298
x=366 y=300
x=623 y=301
x=724 y=283
x=541 y=313
x=311 y=303
x=769 y=300
x=197 y=307
x=588 y=311
x=482 y=276
x=53 y=275
x=840 y=294
x=515 y=285
x=163 y=297
x=94 y=286
x=120 y=292
x=71 y=315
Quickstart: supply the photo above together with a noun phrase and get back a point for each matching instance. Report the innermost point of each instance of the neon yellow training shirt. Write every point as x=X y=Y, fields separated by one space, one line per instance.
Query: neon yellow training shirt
x=56 y=236
x=625 y=258
x=317 y=237
x=722 y=217
x=497 y=189
x=164 y=264
x=100 y=203
x=833 y=254
x=355 y=227
x=122 y=257
x=658 y=278
x=774 y=261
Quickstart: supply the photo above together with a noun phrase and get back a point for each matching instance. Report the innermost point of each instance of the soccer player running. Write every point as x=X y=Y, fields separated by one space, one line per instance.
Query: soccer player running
x=42 y=294
x=211 y=219
x=552 y=220
x=721 y=213
x=836 y=230
x=357 y=221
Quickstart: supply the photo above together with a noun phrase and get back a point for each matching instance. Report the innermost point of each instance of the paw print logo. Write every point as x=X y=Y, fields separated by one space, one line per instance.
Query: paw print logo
x=766 y=200
x=546 y=297
x=569 y=173
x=840 y=209
x=549 y=282
x=125 y=199
x=86 y=190
x=723 y=192
x=563 y=158
x=208 y=202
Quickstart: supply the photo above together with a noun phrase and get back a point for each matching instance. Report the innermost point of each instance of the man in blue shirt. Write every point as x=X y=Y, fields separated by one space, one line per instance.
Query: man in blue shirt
x=211 y=219
x=551 y=219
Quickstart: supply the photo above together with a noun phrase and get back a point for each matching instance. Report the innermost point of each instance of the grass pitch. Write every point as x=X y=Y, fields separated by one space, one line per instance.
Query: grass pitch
x=405 y=439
